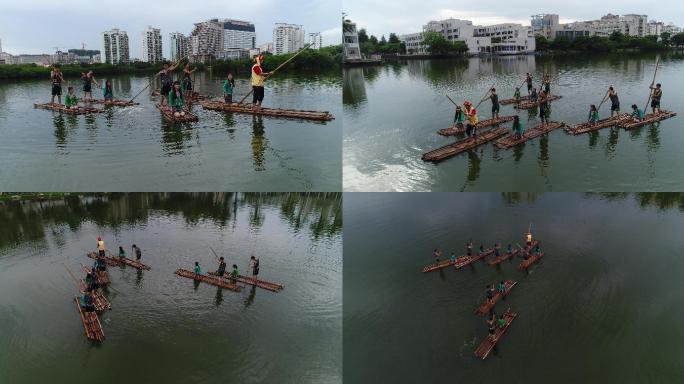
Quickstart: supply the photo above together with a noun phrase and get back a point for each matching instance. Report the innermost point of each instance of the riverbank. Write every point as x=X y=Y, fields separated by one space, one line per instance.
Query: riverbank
x=321 y=60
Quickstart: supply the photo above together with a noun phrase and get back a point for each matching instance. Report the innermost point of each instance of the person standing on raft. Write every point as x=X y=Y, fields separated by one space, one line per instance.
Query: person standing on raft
x=57 y=78
x=258 y=78
x=593 y=115
x=656 y=94
x=222 y=267
x=528 y=80
x=101 y=247
x=108 y=91
x=543 y=108
x=528 y=239
x=137 y=252
x=614 y=101
x=166 y=79
x=495 y=102
x=459 y=118
x=88 y=81
x=518 y=127
x=254 y=266
x=187 y=79
x=471 y=114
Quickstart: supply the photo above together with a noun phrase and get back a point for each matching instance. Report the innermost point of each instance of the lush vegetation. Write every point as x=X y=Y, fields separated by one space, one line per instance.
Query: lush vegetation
x=371 y=44
x=615 y=42
x=309 y=60
x=436 y=44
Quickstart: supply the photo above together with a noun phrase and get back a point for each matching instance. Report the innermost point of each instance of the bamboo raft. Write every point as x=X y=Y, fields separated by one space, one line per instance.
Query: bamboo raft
x=511 y=141
x=272 y=112
x=453 y=130
x=91 y=324
x=467 y=260
x=532 y=104
x=464 y=145
x=111 y=103
x=196 y=96
x=506 y=256
x=209 y=280
x=273 y=287
x=603 y=123
x=102 y=276
x=100 y=302
x=440 y=265
x=514 y=101
x=488 y=305
x=530 y=260
x=489 y=343
x=167 y=112
x=117 y=261
x=63 y=109
x=649 y=118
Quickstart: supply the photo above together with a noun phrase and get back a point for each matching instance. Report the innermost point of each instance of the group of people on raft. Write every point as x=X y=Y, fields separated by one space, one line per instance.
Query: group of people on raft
x=637 y=114
x=71 y=100
x=437 y=254
x=235 y=272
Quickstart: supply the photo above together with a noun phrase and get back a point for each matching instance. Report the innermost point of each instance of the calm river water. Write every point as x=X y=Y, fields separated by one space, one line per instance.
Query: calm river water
x=162 y=327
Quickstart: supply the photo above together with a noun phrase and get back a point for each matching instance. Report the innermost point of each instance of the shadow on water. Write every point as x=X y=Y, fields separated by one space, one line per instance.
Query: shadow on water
x=249 y=300
x=259 y=143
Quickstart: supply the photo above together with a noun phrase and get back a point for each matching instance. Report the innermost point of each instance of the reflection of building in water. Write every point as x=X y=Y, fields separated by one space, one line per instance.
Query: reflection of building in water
x=353 y=87
x=259 y=143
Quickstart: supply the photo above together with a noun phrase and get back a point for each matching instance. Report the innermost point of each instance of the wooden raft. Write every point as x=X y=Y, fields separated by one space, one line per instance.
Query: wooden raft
x=511 y=141
x=100 y=302
x=110 y=103
x=273 y=287
x=467 y=260
x=514 y=101
x=532 y=104
x=272 y=112
x=116 y=261
x=504 y=257
x=488 y=305
x=530 y=260
x=649 y=118
x=167 y=112
x=209 y=280
x=102 y=276
x=464 y=145
x=453 y=131
x=441 y=264
x=603 y=123
x=91 y=324
x=70 y=111
x=490 y=342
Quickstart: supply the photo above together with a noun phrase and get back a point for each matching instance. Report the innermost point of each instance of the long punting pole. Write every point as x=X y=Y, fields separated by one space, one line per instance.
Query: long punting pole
x=155 y=76
x=485 y=96
x=603 y=100
x=275 y=70
x=452 y=101
x=650 y=91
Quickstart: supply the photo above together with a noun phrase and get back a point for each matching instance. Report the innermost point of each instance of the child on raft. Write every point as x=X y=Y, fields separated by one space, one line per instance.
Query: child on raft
x=228 y=86
x=177 y=100
x=108 y=91
x=71 y=100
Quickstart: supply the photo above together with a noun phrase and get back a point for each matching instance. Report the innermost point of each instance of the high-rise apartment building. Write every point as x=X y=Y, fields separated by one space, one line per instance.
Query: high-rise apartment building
x=116 y=47
x=206 y=40
x=316 y=40
x=152 y=45
x=238 y=34
x=287 y=38
x=180 y=46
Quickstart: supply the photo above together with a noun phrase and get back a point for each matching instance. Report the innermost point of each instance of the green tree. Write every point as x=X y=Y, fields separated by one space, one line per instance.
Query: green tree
x=393 y=39
x=678 y=39
x=383 y=41
x=665 y=38
x=363 y=36
x=436 y=44
x=542 y=43
x=373 y=40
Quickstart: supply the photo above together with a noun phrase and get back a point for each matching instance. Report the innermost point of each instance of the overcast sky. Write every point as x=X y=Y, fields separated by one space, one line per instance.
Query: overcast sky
x=380 y=17
x=37 y=26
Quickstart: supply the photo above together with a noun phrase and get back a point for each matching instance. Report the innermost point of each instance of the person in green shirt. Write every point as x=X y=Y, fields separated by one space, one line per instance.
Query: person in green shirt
x=177 y=100
x=198 y=270
x=122 y=253
x=509 y=250
x=518 y=127
x=502 y=321
x=593 y=115
x=71 y=100
x=228 y=86
x=459 y=117
x=86 y=302
x=108 y=91
x=501 y=287
x=453 y=258
x=637 y=113
x=234 y=273
x=516 y=95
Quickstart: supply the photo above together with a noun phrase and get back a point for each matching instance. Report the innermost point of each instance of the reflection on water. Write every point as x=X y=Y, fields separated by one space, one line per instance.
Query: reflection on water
x=259 y=142
x=25 y=220
x=392 y=113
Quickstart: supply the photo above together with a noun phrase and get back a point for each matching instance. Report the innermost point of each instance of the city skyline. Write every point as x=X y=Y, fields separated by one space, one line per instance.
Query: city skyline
x=406 y=17
x=87 y=27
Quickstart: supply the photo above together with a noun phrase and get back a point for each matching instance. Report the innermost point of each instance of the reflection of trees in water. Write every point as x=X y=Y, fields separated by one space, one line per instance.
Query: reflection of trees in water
x=259 y=143
x=660 y=200
x=28 y=220
x=520 y=197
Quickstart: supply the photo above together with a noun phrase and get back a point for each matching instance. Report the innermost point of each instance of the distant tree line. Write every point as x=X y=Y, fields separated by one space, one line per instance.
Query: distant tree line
x=615 y=42
x=371 y=44
x=326 y=58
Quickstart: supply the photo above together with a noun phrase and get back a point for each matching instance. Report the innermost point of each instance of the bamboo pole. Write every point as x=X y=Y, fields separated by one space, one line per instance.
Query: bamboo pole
x=603 y=100
x=277 y=68
x=485 y=96
x=155 y=76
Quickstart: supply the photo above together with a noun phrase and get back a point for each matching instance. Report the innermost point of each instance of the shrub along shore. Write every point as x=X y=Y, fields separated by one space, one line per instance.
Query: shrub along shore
x=310 y=60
